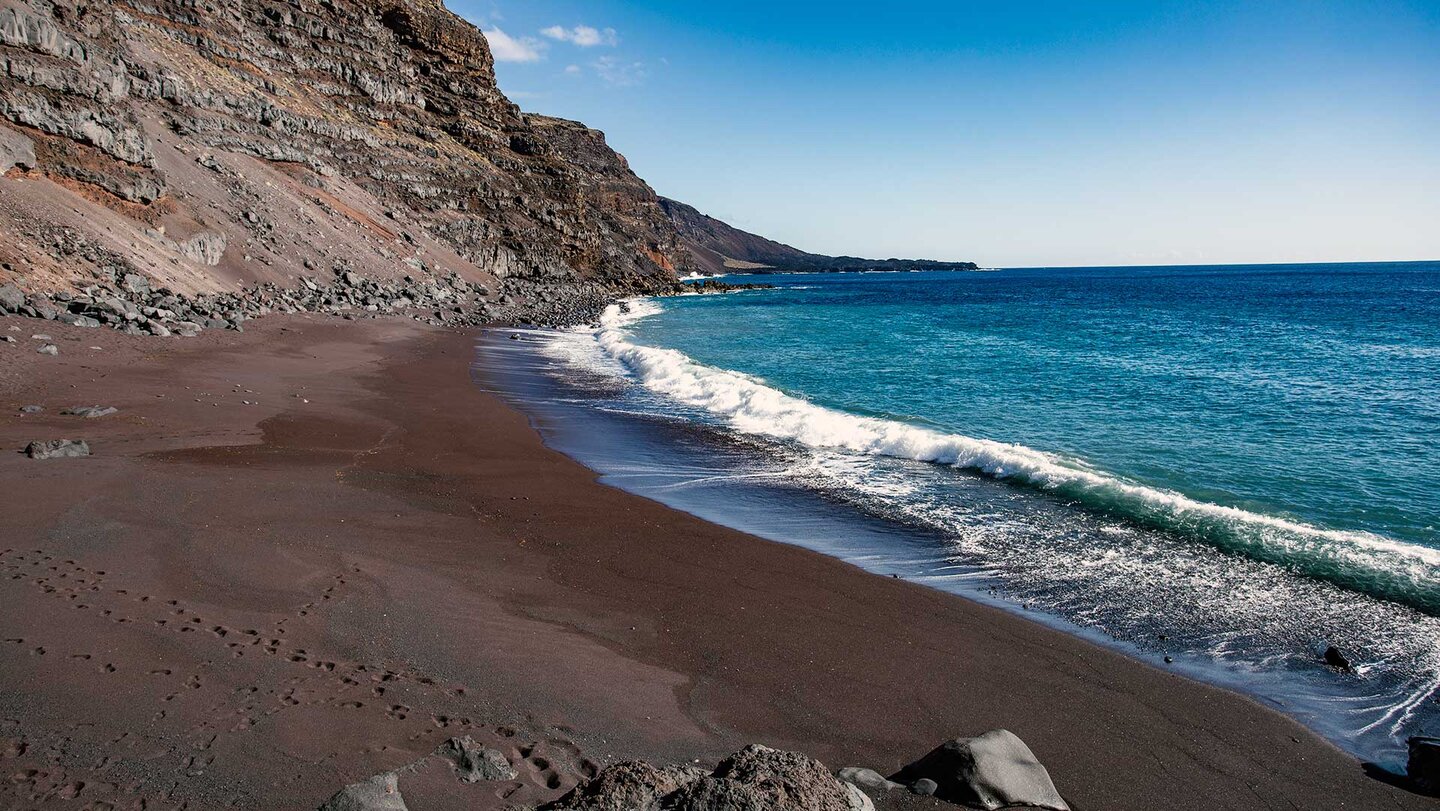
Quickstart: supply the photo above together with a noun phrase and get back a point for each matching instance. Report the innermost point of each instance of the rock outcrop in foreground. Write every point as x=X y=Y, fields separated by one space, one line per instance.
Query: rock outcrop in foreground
x=209 y=146
x=993 y=771
x=757 y=777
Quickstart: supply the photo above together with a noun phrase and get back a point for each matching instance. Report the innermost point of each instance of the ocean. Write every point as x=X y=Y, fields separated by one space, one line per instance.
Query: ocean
x=1220 y=470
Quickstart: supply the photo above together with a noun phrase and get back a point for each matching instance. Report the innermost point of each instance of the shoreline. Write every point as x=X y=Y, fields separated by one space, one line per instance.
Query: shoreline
x=661 y=446
x=409 y=533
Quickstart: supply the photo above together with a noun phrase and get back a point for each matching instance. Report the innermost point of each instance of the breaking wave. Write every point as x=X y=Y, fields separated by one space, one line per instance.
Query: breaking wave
x=1359 y=561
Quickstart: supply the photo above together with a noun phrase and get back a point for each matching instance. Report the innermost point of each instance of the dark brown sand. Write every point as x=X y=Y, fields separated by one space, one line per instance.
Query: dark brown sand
x=250 y=605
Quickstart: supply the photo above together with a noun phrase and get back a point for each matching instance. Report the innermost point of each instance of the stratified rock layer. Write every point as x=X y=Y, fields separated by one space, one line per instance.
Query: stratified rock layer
x=209 y=145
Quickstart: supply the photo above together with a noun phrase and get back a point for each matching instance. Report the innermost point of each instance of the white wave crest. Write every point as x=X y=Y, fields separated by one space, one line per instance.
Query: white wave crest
x=748 y=405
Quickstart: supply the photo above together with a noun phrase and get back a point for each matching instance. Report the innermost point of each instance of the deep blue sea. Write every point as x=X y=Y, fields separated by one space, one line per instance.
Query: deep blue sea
x=1226 y=467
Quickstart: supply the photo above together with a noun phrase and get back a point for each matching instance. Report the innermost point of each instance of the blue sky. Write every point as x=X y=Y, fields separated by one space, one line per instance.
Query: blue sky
x=1012 y=134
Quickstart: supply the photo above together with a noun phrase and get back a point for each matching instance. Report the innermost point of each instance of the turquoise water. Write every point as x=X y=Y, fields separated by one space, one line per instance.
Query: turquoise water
x=1234 y=466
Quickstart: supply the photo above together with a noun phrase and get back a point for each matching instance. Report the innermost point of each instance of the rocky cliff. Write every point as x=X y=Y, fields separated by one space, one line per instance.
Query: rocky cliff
x=718 y=247
x=213 y=144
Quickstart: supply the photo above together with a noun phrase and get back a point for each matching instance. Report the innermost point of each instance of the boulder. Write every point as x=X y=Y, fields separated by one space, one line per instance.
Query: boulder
x=31 y=409
x=48 y=349
x=75 y=319
x=995 y=770
x=206 y=247
x=135 y=283
x=57 y=449
x=43 y=308
x=1336 y=659
x=785 y=780
x=757 y=778
x=475 y=762
x=15 y=150
x=626 y=786
x=11 y=298
x=379 y=793
x=1423 y=768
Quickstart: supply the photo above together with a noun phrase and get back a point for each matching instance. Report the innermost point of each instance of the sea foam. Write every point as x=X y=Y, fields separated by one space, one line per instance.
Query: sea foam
x=1362 y=561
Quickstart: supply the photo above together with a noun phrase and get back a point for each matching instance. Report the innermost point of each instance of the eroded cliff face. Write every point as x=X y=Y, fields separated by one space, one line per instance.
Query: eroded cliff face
x=210 y=144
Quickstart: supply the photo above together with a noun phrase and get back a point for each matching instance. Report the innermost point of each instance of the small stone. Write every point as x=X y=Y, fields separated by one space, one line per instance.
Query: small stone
x=866 y=779
x=48 y=349
x=57 y=449
x=31 y=409
x=925 y=787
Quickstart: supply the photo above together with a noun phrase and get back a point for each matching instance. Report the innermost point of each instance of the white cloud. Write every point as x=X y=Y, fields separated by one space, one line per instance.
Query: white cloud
x=572 y=69
x=620 y=72
x=582 y=35
x=511 y=49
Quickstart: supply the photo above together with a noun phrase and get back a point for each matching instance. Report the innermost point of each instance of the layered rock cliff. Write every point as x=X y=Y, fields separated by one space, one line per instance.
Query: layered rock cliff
x=215 y=144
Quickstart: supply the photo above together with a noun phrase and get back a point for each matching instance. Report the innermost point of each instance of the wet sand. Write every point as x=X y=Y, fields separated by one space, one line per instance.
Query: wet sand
x=244 y=599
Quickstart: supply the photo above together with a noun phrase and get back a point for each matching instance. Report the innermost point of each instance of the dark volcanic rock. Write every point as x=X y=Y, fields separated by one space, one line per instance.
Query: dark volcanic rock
x=1336 y=659
x=992 y=771
x=57 y=448
x=1423 y=768
x=925 y=787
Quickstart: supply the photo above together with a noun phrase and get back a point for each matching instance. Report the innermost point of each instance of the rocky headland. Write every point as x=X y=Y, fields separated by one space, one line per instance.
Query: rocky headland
x=721 y=248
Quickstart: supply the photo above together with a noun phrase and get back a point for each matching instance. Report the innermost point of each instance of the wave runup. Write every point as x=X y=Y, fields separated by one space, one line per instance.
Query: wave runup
x=1362 y=561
